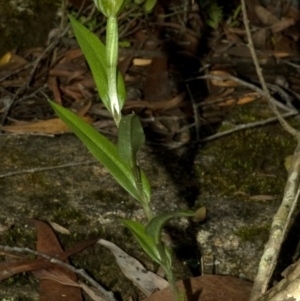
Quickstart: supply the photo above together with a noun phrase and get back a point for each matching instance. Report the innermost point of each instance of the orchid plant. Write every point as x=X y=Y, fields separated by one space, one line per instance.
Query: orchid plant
x=120 y=159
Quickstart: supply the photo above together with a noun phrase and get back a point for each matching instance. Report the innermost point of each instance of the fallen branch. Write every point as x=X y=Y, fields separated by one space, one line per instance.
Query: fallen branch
x=108 y=296
x=283 y=217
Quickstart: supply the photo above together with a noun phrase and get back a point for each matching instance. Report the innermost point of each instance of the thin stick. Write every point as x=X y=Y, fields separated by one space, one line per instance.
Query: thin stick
x=245 y=84
x=284 y=124
x=282 y=219
x=108 y=295
x=195 y=110
x=39 y=169
x=246 y=126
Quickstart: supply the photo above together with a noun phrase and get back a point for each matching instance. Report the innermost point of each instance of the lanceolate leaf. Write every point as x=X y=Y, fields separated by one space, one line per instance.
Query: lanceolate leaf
x=131 y=138
x=94 y=51
x=156 y=224
x=101 y=148
x=95 y=54
x=145 y=241
x=121 y=90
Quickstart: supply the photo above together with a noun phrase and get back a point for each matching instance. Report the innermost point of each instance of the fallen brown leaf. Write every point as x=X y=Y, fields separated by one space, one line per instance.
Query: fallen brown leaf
x=53 y=86
x=162 y=105
x=209 y=288
x=51 y=127
x=222 y=83
x=265 y=16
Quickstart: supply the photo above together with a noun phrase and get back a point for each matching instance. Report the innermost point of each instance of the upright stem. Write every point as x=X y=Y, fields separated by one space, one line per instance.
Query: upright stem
x=112 y=61
x=178 y=295
x=167 y=266
x=148 y=212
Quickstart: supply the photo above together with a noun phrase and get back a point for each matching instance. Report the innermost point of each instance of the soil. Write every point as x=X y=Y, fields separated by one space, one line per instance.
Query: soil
x=223 y=175
x=19 y=20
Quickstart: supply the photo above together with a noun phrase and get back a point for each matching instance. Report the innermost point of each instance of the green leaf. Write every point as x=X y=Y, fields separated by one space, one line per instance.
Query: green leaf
x=145 y=241
x=131 y=138
x=237 y=12
x=149 y=5
x=101 y=148
x=94 y=51
x=156 y=224
x=110 y=8
x=121 y=90
x=95 y=54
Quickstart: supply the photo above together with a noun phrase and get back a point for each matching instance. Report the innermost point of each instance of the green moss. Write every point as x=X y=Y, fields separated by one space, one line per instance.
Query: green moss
x=18 y=236
x=68 y=215
x=16 y=299
x=107 y=197
x=249 y=161
x=252 y=233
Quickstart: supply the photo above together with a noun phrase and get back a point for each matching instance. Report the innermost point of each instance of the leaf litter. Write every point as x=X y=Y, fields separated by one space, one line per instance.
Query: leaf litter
x=65 y=78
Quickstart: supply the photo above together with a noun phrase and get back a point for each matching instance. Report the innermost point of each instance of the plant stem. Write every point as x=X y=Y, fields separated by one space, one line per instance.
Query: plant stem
x=112 y=60
x=178 y=295
x=167 y=266
x=148 y=212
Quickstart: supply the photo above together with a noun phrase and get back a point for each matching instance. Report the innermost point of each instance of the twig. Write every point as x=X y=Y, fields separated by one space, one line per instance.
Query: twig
x=16 y=71
x=14 y=101
x=283 y=94
x=279 y=227
x=35 y=65
x=245 y=84
x=285 y=125
x=31 y=95
x=49 y=48
x=39 y=169
x=246 y=126
x=195 y=110
x=283 y=217
x=108 y=295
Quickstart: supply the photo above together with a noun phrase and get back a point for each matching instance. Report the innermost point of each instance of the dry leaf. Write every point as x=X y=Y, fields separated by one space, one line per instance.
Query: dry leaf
x=92 y=292
x=222 y=83
x=53 y=274
x=265 y=16
x=5 y=58
x=161 y=105
x=11 y=61
x=262 y=197
x=53 y=86
x=51 y=127
x=5 y=103
x=59 y=228
x=200 y=215
x=282 y=25
x=209 y=288
x=279 y=55
x=142 y=62
x=145 y=280
x=157 y=86
x=247 y=98
x=259 y=38
x=10 y=268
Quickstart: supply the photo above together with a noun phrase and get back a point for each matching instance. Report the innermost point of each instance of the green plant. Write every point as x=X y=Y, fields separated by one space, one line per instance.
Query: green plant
x=213 y=11
x=120 y=159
